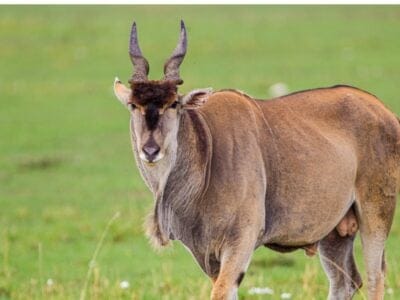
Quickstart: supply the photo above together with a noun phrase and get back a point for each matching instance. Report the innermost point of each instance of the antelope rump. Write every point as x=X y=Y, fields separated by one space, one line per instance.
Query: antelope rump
x=230 y=173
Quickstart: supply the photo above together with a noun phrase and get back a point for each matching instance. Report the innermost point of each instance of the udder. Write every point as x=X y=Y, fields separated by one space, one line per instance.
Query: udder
x=348 y=226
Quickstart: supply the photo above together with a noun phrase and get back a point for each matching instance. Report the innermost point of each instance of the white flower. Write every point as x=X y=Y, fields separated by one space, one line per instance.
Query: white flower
x=389 y=291
x=286 y=295
x=49 y=282
x=261 y=291
x=124 y=284
x=278 y=89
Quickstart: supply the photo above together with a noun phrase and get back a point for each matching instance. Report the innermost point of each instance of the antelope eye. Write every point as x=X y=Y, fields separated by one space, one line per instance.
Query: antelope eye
x=132 y=106
x=174 y=105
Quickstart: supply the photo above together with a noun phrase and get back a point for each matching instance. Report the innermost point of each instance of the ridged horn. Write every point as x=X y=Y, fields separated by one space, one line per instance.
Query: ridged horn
x=171 y=66
x=140 y=64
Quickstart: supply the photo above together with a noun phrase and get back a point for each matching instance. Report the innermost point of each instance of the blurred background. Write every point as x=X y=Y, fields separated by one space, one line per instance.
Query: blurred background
x=66 y=166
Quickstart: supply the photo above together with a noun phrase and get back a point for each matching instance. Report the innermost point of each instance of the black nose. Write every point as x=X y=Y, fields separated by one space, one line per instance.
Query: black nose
x=151 y=150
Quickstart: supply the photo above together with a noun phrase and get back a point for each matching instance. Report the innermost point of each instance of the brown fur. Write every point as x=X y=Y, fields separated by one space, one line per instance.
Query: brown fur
x=300 y=171
x=159 y=93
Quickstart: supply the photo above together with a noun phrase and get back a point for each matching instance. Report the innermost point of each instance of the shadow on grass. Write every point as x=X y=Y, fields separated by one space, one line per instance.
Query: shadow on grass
x=280 y=261
x=39 y=163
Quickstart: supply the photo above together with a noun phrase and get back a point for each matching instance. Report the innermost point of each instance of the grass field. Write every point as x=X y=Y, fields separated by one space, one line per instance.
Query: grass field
x=66 y=166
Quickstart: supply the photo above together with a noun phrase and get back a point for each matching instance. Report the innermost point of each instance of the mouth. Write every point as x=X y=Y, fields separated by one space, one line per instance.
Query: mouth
x=151 y=160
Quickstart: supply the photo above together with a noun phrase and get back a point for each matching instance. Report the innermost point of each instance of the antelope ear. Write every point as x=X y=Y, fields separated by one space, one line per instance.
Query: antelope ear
x=122 y=92
x=196 y=98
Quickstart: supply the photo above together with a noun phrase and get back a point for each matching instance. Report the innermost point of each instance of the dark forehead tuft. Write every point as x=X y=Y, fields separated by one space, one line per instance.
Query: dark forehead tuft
x=157 y=93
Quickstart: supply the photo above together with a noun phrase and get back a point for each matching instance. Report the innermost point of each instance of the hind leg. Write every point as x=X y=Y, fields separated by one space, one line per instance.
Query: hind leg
x=339 y=265
x=376 y=210
x=373 y=244
x=373 y=250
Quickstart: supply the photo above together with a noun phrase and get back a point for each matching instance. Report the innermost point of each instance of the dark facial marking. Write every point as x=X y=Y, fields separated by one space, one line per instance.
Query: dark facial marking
x=152 y=116
x=153 y=96
x=240 y=278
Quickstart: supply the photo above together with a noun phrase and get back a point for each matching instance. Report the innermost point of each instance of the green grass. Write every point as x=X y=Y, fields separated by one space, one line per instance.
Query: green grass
x=66 y=165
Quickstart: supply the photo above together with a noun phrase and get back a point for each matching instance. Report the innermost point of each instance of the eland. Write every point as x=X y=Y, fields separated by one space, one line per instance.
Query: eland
x=230 y=173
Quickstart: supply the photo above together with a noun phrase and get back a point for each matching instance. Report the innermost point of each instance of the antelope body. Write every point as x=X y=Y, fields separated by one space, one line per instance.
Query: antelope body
x=230 y=173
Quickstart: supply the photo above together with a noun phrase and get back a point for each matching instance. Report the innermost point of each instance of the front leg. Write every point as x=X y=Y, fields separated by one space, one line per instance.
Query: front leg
x=235 y=260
